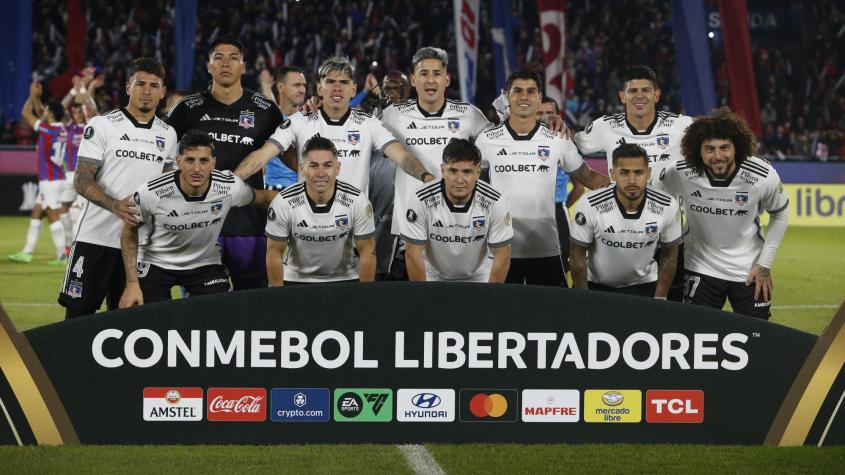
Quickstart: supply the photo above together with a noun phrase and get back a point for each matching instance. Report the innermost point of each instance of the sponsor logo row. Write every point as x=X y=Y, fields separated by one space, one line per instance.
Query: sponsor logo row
x=423 y=405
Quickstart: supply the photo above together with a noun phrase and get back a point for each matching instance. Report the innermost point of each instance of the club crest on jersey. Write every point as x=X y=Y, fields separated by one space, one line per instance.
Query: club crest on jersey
x=160 y=143
x=544 y=152
x=74 y=289
x=663 y=141
x=741 y=198
x=478 y=223
x=353 y=137
x=216 y=208
x=247 y=120
x=454 y=125
x=650 y=229
x=341 y=221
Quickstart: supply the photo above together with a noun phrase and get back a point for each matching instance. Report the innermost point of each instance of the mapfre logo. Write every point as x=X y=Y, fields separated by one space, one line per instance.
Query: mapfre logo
x=674 y=406
x=237 y=404
x=551 y=405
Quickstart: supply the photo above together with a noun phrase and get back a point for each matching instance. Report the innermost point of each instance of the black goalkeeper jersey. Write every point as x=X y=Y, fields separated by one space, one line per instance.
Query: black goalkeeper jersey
x=238 y=129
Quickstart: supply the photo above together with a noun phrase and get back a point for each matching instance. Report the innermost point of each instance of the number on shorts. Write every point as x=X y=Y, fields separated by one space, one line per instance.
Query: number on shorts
x=695 y=280
x=77 y=268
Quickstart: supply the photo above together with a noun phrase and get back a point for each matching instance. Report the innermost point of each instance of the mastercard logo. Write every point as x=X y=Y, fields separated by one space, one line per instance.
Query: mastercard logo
x=488 y=405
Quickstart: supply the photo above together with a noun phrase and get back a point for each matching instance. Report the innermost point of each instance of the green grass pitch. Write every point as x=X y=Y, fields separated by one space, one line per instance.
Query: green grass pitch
x=809 y=274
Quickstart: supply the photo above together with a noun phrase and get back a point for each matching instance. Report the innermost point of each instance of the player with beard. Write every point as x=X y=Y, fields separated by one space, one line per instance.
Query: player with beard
x=240 y=121
x=725 y=189
x=524 y=156
x=617 y=230
x=120 y=151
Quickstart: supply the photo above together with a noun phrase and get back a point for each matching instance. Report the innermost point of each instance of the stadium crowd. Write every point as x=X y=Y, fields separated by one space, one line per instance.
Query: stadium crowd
x=802 y=98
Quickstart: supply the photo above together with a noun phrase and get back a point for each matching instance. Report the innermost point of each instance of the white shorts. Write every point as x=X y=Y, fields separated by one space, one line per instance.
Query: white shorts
x=50 y=194
x=68 y=192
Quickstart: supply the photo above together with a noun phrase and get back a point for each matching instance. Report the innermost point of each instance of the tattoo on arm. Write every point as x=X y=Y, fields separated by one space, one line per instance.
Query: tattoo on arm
x=666 y=270
x=129 y=251
x=413 y=167
x=85 y=183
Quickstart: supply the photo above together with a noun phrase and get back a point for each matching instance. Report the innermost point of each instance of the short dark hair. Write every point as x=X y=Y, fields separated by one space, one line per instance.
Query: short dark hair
x=56 y=109
x=640 y=71
x=629 y=150
x=722 y=124
x=461 y=150
x=195 y=138
x=147 y=65
x=531 y=75
x=226 y=40
x=282 y=72
x=319 y=143
x=549 y=100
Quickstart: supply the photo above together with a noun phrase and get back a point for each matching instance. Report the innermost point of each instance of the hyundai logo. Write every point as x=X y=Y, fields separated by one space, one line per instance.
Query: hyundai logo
x=426 y=400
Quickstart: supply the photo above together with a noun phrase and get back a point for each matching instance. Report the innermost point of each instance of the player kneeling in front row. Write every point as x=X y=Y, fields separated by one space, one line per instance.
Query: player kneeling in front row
x=182 y=213
x=455 y=220
x=316 y=221
x=617 y=229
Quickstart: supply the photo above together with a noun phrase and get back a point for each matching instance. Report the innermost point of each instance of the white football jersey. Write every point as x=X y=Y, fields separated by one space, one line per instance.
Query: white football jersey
x=426 y=135
x=128 y=153
x=724 y=237
x=320 y=238
x=525 y=167
x=180 y=232
x=457 y=239
x=661 y=140
x=621 y=244
x=356 y=135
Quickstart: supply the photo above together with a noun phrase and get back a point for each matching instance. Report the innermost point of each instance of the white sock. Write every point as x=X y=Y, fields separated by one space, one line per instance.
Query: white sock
x=68 y=228
x=57 y=231
x=32 y=235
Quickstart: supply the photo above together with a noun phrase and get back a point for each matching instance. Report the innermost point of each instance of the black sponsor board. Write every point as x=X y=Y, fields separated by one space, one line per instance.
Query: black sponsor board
x=481 y=341
x=17 y=191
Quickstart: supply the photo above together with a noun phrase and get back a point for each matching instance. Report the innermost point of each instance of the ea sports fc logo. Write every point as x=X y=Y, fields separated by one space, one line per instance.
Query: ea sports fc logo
x=488 y=405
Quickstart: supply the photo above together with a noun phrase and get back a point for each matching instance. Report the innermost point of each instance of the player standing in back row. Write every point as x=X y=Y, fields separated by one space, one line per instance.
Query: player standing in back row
x=524 y=157
x=725 y=189
x=239 y=120
x=120 y=151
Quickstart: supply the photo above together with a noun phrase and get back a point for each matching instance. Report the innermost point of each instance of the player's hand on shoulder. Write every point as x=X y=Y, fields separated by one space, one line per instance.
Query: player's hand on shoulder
x=127 y=212
x=556 y=124
x=312 y=105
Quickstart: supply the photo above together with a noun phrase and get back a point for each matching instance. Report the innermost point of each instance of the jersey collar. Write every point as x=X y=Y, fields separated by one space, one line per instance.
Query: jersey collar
x=341 y=121
x=425 y=113
x=321 y=209
x=626 y=214
x=137 y=124
x=648 y=129
x=516 y=136
x=722 y=183
x=185 y=195
x=456 y=209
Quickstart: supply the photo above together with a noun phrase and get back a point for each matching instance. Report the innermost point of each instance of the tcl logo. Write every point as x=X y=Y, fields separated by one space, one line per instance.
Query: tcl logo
x=237 y=404
x=679 y=406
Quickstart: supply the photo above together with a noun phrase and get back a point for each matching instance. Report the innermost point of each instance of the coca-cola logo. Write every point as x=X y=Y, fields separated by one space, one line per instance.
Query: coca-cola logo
x=237 y=404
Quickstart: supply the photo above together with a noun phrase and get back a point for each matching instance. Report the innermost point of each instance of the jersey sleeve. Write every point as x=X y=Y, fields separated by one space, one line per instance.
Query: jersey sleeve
x=363 y=223
x=501 y=226
x=278 y=220
x=414 y=225
x=146 y=202
x=479 y=122
x=284 y=136
x=582 y=230
x=590 y=140
x=389 y=118
x=178 y=118
x=93 y=147
x=172 y=150
x=774 y=197
x=242 y=194
x=669 y=180
x=569 y=159
x=381 y=136
x=672 y=232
